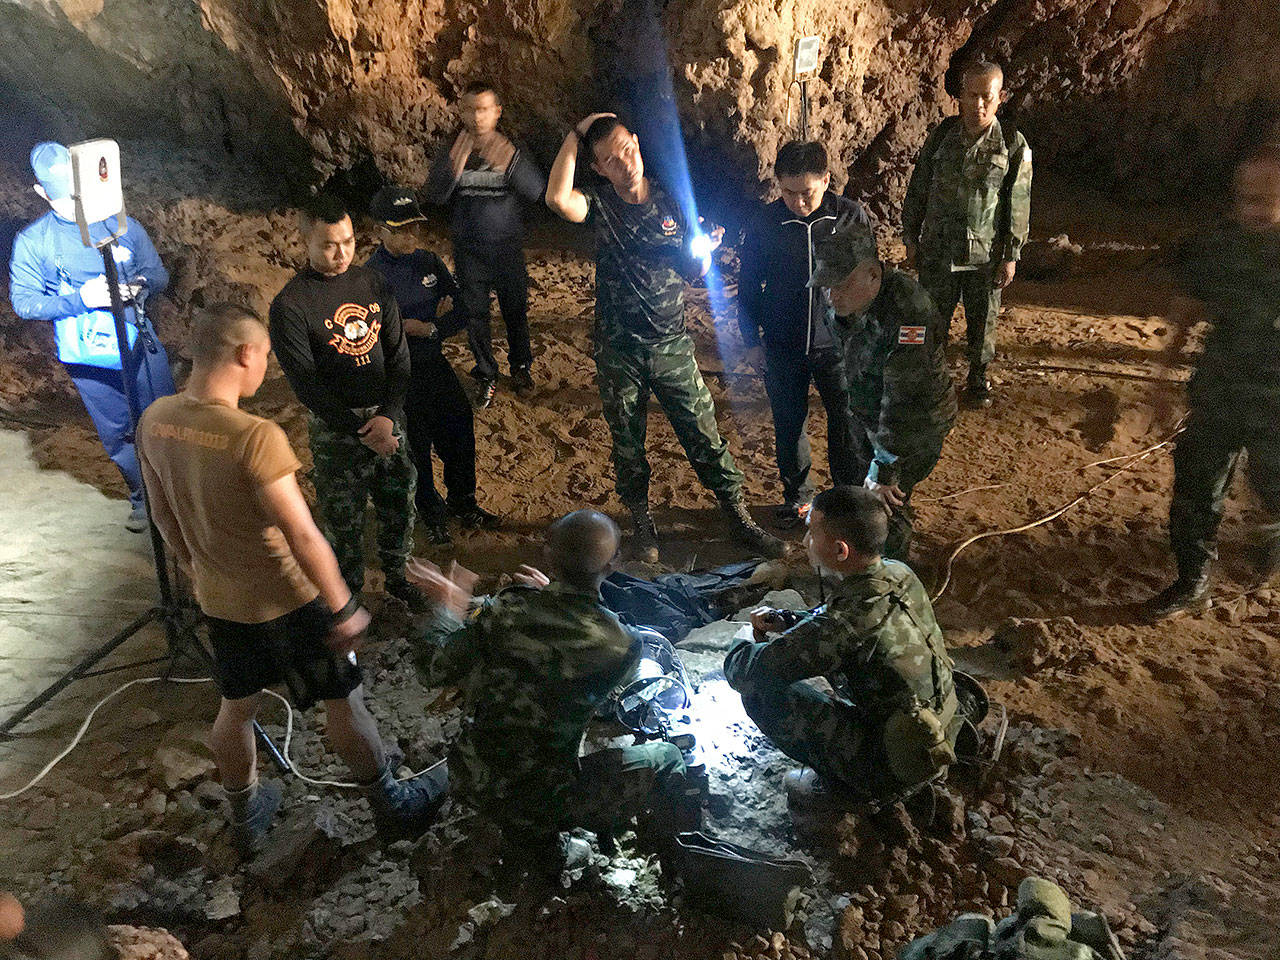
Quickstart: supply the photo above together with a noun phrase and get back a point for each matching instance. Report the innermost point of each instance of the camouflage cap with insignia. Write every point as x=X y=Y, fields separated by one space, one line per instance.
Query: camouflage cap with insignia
x=849 y=244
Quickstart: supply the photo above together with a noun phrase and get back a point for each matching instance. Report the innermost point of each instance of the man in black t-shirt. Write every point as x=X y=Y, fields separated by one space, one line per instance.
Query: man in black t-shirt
x=437 y=412
x=336 y=330
x=643 y=259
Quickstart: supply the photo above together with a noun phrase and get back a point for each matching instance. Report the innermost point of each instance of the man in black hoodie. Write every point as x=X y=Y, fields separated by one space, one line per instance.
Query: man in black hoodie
x=482 y=178
x=789 y=328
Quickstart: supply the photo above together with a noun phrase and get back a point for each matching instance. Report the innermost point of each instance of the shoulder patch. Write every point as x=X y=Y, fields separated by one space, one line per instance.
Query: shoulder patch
x=913 y=336
x=668 y=225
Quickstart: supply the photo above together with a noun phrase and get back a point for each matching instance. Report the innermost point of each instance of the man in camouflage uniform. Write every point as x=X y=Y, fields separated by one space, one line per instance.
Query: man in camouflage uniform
x=966 y=215
x=336 y=330
x=1233 y=276
x=644 y=257
x=1043 y=928
x=533 y=663
x=900 y=393
x=893 y=719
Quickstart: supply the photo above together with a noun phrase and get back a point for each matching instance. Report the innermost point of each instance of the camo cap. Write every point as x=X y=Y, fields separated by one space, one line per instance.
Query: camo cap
x=836 y=257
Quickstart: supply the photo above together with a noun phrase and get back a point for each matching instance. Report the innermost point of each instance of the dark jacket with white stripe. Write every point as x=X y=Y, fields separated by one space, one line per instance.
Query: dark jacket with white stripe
x=774 y=301
x=484 y=204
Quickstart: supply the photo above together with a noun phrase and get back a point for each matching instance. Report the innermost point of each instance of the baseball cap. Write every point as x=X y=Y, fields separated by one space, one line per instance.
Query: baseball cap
x=849 y=244
x=51 y=163
x=395 y=206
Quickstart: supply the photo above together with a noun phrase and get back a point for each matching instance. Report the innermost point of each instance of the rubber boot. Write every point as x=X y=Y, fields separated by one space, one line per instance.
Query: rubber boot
x=749 y=533
x=250 y=812
x=402 y=810
x=1189 y=592
x=644 y=534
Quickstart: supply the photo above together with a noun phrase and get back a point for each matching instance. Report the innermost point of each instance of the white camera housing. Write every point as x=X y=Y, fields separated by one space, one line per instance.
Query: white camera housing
x=96 y=187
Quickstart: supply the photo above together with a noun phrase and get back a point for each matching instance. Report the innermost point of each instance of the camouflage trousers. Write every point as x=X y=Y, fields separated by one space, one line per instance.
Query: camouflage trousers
x=1204 y=463
x=609 y=789
x=347 y=475
x=817 y=730
x=981 y=305
x=627 y=374
x=913 y=467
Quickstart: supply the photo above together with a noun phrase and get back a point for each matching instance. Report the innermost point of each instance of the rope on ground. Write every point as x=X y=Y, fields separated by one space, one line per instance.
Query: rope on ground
x=962 y=493
x=288 y=738
x=1133 y=459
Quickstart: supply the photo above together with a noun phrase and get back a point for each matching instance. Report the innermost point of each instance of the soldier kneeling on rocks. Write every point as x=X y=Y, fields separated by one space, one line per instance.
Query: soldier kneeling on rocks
x=890 y=720
x=1043 y=928
x=533 y=663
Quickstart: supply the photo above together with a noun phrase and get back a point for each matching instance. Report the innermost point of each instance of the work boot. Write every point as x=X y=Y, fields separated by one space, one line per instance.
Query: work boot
x=1190 y=593
x=403 y=809
x=137 y=521
x=405 y=592
x=474 y=517
x=790 y=515
x=250 y=812
x=437 y=532
x=522 y=381
x=749 y=532
x=977 y=392
x=644 y=535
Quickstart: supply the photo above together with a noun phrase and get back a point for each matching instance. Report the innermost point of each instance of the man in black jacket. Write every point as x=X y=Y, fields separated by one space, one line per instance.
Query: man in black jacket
x=482 y=179
x=789 y=328
x=336 y=330
x=437 y=412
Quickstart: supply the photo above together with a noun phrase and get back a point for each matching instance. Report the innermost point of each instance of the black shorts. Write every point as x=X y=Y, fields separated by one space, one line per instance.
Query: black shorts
x=291 y=650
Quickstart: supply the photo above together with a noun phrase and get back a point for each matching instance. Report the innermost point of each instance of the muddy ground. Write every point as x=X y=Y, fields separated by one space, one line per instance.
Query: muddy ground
x=1142 y=765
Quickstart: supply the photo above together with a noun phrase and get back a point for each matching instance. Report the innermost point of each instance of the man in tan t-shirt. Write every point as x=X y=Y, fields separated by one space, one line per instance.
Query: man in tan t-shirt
x=223 y=491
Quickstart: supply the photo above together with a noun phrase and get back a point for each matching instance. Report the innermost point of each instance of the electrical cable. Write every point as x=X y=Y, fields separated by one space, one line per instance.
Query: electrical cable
x=288 y=737
x=1133 y=459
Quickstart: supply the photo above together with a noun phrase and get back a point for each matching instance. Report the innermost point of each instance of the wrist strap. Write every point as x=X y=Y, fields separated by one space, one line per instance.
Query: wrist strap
x=346 y=613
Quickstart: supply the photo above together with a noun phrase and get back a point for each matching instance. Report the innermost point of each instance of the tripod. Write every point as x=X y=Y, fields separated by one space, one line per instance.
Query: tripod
x=179 y=616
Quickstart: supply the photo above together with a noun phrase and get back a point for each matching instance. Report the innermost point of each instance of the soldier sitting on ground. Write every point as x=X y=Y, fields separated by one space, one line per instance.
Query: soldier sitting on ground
x=900 y=393
x=533 y=663
x=891 y=722
x=1043 y=928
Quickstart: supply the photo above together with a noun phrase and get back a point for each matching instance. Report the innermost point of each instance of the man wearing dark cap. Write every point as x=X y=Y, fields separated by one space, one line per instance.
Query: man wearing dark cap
x=54 y=276
x=437 y=412
x=900 y=391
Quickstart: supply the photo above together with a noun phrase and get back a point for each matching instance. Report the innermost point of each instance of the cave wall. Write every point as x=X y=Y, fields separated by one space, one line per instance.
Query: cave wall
x=1109 y=87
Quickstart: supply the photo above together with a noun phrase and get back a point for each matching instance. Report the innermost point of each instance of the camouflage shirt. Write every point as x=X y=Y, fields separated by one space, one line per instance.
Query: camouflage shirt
x=1236 y=274
x=896 y=365
x=876 y=642
x=642 y=262
x=969 y=203
x=532 y=666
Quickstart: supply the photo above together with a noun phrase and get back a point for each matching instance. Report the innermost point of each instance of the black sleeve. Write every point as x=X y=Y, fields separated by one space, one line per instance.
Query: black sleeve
x=751 y=282
x=292 y=344
x=525 y=177
x=440 y=181
x=395 y=353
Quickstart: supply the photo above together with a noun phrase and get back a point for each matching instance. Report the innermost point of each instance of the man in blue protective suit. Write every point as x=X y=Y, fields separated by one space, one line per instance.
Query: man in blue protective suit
x=54 y=276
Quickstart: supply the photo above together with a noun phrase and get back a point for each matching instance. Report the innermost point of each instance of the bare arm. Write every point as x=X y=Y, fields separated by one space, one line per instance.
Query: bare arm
x=162 y=513
x=561 y=197
x=283 y=501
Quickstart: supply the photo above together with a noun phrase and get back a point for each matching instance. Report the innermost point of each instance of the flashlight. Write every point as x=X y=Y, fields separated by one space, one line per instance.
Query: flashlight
x=700 y=246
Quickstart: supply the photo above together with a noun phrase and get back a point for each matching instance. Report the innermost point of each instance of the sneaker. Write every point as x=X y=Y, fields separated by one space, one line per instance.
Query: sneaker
x=474 y=517
x=437 y=532
x=1189 y=594
x=406 y=593
x=644 y=535
x=750 y=533
x=485 y=389
x=522 y=381
x=790 y=515
x=137 y=521
x=403 y=809
x=250 y=812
